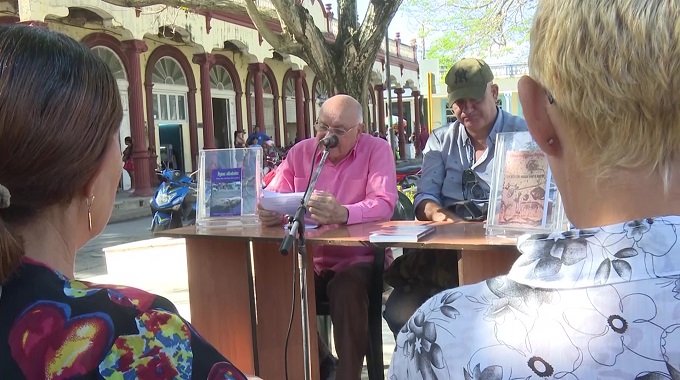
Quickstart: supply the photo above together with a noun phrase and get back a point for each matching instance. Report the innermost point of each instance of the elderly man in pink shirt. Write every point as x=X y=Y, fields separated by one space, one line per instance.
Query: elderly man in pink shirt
x=357 y=184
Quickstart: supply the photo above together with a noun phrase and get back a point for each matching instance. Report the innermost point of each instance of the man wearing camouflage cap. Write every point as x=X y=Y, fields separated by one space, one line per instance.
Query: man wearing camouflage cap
x=457 y=166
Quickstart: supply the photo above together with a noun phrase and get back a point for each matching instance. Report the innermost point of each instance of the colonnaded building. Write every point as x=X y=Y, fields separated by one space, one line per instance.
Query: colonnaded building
x=189 y=79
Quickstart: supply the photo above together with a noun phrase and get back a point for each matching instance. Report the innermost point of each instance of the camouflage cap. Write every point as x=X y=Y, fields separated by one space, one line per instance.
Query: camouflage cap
x=467 y=79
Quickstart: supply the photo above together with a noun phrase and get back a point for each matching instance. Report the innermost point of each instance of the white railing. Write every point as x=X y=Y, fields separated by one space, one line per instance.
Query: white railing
x=406 y=52
x=512 y=70
x=264 y=4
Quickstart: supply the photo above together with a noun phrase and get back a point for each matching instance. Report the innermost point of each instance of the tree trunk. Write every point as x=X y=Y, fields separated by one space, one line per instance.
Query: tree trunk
x=353 y=81
x=344 y=64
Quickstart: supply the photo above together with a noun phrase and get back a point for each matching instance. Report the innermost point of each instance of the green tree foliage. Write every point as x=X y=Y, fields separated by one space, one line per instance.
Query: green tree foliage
x=457 y=28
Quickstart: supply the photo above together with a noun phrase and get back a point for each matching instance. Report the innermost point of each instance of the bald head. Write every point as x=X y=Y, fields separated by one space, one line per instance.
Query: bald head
x=344 y=110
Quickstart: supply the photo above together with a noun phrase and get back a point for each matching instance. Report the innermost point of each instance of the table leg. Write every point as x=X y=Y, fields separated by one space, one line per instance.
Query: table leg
x=478 y=265
x=219 y=297
x=274 y=291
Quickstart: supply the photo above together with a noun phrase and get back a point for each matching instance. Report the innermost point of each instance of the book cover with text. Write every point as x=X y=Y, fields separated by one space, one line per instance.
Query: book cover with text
x=524 y=189
x=226 y=192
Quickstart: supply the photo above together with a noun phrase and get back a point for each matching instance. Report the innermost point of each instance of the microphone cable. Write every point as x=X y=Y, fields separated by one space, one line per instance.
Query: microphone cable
x=295 y=273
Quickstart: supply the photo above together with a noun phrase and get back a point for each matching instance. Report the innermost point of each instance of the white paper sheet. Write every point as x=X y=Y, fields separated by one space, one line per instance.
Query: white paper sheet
x=283 y=203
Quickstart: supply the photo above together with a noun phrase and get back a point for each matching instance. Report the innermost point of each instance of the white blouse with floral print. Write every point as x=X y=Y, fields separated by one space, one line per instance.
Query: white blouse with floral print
x=584 y=304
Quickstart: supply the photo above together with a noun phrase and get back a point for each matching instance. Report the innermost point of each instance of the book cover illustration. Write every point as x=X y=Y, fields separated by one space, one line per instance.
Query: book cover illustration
x=226 y=192
x=523 y=198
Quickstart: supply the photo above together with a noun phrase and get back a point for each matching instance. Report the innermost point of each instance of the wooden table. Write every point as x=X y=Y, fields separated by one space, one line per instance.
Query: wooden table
x=241 y=287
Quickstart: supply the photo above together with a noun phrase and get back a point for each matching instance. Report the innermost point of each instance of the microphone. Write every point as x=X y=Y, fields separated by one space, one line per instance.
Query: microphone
x=330 y=141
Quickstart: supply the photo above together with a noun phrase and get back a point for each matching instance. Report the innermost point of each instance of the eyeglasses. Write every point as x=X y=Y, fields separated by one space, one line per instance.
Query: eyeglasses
x=462 y=103
x=323 y=128
x=471 y=186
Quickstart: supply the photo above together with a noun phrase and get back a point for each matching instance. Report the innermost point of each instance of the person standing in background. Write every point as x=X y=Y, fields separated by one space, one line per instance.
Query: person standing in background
x=260 y=136
x=128 y=164
x=239 y=142
x=422 y=139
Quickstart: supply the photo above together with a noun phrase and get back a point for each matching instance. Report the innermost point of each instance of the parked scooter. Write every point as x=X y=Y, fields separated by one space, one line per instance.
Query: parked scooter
x=408 y=176
x=174 y=203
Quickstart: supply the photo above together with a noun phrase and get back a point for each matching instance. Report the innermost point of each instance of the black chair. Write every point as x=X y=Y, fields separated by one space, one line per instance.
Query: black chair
x=403 y=210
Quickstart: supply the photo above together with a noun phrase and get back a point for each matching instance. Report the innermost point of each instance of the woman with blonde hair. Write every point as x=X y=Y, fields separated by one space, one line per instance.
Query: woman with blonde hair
x=601 y=301
x=60 y=164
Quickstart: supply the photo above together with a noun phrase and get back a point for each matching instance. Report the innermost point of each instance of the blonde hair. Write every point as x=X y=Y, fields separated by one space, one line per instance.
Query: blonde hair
x=613 y=67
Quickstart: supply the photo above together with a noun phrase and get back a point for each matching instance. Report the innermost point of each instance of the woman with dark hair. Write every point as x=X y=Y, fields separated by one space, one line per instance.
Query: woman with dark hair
x=128 y=164
x=59 y=170
x=239 y=142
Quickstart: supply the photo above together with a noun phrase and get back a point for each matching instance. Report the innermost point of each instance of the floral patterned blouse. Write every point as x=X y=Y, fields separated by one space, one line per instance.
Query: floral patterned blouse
x=584 y=304
x=55 y=328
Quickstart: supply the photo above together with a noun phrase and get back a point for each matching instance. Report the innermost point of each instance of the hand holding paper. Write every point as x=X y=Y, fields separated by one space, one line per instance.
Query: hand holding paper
x=325 y=209
x=269 y=218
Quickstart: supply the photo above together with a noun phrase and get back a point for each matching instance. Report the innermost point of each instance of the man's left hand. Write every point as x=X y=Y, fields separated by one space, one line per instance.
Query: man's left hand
x=325 y=209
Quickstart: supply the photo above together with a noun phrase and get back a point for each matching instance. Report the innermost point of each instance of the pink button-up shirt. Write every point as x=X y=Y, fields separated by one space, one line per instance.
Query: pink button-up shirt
x=364 y=182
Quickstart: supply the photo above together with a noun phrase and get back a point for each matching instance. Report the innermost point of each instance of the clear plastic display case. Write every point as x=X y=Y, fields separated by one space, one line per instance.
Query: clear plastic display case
x=523 y=197
x=229 y=187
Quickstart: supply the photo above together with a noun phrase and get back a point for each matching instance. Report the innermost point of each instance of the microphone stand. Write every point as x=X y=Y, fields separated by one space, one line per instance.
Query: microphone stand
x=296 y=223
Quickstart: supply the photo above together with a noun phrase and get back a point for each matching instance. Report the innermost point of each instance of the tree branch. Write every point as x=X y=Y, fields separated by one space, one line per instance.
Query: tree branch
x=374 y=28
x=299 y=25
x=217 y=5
x=280 y=42
x=347 y=19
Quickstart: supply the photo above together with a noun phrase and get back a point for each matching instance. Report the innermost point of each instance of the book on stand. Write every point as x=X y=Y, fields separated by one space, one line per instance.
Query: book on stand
x=226 y=192
x=400 y=234
x=229 y=187
x=523 y=197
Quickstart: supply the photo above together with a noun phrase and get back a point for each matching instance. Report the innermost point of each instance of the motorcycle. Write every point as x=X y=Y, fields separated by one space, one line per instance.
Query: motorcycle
x=408 y=176
x=174 y=203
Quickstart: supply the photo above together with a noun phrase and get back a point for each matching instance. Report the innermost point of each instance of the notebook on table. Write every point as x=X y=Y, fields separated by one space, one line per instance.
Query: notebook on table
x=400 y=234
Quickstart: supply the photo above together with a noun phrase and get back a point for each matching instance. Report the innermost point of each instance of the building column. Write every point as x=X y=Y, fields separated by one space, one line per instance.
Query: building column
x=140 y=155
x=193 y=129
x=277 y=121
x=416 y=127
x=239 y=113
x=375 y=114
x=256 y=69
x=308 y=131
x=205 y=61
x=299 y=76
x=150 y=129
x=379 y=88
x=400 y=113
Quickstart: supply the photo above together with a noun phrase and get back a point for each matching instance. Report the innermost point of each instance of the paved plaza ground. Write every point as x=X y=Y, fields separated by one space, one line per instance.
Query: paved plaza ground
x=157 y=265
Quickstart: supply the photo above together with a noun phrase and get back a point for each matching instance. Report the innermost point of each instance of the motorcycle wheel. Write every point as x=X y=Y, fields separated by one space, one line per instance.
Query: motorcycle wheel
x=175 y=222
x=159 y=227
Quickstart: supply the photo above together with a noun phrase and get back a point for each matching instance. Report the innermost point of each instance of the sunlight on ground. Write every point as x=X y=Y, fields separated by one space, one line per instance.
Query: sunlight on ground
x=129 y=264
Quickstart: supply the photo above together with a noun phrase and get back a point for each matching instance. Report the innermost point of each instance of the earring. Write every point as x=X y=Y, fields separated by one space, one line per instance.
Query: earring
x=89 y=212
x=551 y=141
